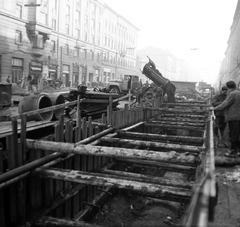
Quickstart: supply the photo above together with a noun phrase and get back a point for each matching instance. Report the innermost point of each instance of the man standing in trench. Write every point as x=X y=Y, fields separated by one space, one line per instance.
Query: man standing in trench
x=231 y=106
x=220 y=123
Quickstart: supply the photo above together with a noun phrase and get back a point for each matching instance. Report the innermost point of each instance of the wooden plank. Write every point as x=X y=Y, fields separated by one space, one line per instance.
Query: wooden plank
x=57 y=185
x=45 y=110
x=166 y=126
x=76 y=166
x=109 y=111
x=159 y=137
x=3 y=205
x=13 y=162
x=67 y=165
x=156 y=190
x=21 y=191
x=90 y=160
x=172 y=157
x=29 y=128
x=50 y=221
x=83 y=166
x=159 y=146
x=23 y=137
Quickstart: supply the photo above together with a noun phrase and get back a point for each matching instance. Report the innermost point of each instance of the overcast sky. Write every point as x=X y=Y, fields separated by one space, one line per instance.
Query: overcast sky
x=182 y=25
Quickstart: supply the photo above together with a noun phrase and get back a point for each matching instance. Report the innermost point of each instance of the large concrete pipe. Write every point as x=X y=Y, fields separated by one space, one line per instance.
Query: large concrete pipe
x=56 y=99
x=35 y=102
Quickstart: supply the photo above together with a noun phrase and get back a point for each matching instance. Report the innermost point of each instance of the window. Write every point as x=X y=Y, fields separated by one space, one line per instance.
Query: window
x=53 y=45
x=38 y=41
x=93 y=39
x=78 y=18
x=98 y=41
x=67 y=29
x=92 y=55
x=98 y=57
x=98 y=28
x=76 y=52
x=19 y=11
x=77 y=32
x=43 y=18
x=85 y=54
x=68 y=13
x=66 y=49
x=18 y=38
x=93 y=26
x=105 y=41
x=78 y=4
x=86 y=21
x=86 y=36
x=54 y=24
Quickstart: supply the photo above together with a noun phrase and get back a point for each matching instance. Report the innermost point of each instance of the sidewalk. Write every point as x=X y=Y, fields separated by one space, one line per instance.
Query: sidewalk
x=227 y=211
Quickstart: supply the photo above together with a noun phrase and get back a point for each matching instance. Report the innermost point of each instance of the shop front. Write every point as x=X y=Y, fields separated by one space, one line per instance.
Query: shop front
x=75 y=76
x=66 y=76
x=52 y=72
x=35 y=72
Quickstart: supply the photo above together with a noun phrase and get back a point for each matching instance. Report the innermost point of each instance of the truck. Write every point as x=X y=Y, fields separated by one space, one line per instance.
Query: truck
x=122 y=86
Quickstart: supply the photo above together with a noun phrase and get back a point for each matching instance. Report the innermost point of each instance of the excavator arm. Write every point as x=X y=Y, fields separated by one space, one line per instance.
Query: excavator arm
x=151 y=72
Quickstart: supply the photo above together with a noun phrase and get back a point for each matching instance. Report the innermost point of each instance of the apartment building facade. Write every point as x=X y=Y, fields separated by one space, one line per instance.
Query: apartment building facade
x=74 y=40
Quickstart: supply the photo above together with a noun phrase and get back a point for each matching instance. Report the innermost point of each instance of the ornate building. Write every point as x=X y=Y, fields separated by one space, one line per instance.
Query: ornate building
x=230 y=67
x=75 y=40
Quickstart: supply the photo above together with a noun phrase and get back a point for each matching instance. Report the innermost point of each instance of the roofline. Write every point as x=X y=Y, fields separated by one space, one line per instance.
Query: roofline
x=121 y=16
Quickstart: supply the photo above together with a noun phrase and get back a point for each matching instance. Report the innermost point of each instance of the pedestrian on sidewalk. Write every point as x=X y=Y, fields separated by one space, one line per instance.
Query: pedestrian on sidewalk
x=220 y=123
x=231 y=106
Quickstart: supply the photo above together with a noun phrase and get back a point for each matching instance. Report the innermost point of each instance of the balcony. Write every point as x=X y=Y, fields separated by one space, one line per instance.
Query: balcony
x=34 y=28
x=38 y=52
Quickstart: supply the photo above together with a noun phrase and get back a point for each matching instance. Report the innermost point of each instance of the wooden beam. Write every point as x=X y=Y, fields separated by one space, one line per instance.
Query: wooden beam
x=91 y=209
x=151 y=164
x=193 y=105
x=182 y=115
x=96 y=179
x=45 y=110
x=171 y=127
x=180 y=119
x=148 y=178
x=57 y=222
x=224 y=161
x=69 y=148
x=184 y=111
x=153 y=145
x=166 y=138
x=179 y=123
x=60 y=200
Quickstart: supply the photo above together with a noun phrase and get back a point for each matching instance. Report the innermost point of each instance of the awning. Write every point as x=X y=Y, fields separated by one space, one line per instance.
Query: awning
x=52 y=70
x=36 y=69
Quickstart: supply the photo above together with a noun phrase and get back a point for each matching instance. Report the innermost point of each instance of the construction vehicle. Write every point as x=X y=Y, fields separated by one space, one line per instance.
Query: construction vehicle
x=122 y=86
x=151 y=72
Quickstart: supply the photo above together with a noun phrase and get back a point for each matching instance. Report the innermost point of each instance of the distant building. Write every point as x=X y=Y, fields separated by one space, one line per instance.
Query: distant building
x=75 y=40
x=230 y=68
x=167 y=63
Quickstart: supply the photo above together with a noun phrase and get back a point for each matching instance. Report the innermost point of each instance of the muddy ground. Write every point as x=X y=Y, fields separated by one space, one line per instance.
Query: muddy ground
x=133 y=211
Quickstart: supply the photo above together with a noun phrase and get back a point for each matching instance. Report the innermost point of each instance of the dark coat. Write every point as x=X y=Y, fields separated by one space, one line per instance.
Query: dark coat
x=217 y=100
x=231 y=106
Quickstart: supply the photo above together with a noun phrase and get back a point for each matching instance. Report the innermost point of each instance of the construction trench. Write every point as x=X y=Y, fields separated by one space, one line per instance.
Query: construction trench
x=137 y=167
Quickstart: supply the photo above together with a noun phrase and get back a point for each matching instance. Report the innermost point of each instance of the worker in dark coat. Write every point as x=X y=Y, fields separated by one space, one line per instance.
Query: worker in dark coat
x=231 y=106
x=220 y=123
